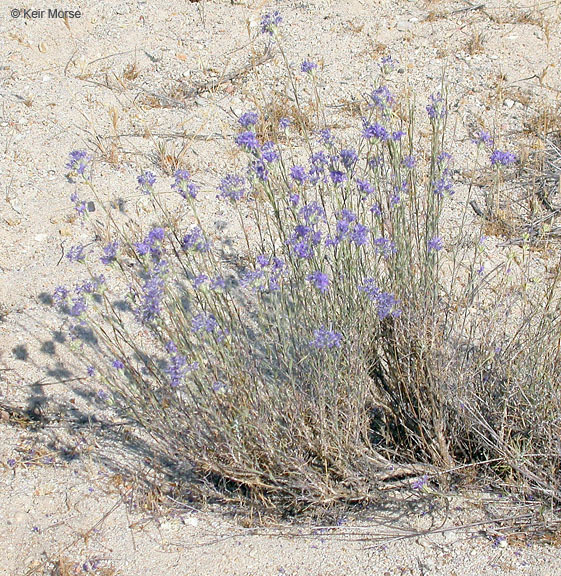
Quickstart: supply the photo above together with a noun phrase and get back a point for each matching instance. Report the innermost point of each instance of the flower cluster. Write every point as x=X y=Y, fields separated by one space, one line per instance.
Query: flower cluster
x=387 y=304
x=146 y=182
x=183 y=184
x=153 y=290
x=232 y=187
x=195 y=241
x=152 y=244
x=502 y=158
x=266 y=275
x=78 y=162
x=325 y=339
x=270 y=21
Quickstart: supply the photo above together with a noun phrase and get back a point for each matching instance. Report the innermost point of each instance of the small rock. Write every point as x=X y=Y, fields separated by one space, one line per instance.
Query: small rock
x=403 y=25
x=508 y=103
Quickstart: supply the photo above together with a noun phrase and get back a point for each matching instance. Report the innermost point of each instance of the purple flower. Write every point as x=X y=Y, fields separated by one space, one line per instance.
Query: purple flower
x=146 y=182
x=79 y=205
x=376 y=209
x=217 y=284
x=312 y=213
x=384 y=246
x=337 y=177
x=436 y=109
x=60 y=295
x=176 y=369
x=420 y=483
x=248 y=119
x=195 y=241
x=398 y=135
x=326 y=137
x=110 y=253
x=199 y=280
x=78 y=307
x=387 y=64
x=76 y=253
x=375 y=130
x=270 y=21
x=183 y=184
x=90 y=371
x=78 y=161
x=151 y=244
x=435 y=244
x=319 y=280
x=152 y=295
x=308 y=67
x=483 y=138
x=385 y=301
x=269 y=152
x=443 y=186
x=382 y=98
x=103 y=396
x=298 y=173
x=359 y=234
x=409 y=161
x=262 y=260
x=349 y=157
x=248 y=141
x=364 y=187
x=117 y=364
x=503 y=158
x=259 y=168
x=232 y=187
x=324 y=338
x=204 y=321
x=284 y=123
x=294 y=199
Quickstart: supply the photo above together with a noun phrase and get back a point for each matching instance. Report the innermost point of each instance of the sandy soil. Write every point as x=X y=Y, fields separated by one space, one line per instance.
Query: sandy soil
x=119 y=81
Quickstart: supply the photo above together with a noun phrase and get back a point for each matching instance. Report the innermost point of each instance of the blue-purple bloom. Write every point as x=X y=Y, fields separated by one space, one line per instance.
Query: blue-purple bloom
x=79 y=205
x=117 y=364
x=385 y=301
x=284 y=123
x=349 y=157
x=502 y=158
x=308 y=67
x=324 y=338
x=204 y=321
x=435 y=244
x=270 y=21
x=183 y=184
x=298 y=173
x=151 y=244
x=384 y=246
x=409 y=161
x=248 y=141
x=60 y=295
x=269 y=152
x=76 y=253
x=382 y=98
x=195 y=241
x=152 y=294
x=110 y=253
x=146 y=182
x=319 y=280
x=78 y=306
x=326 y=137
x=232 y=187
x=364 y=187
x=78 y=161
x=436 y=108
x=483 y=138
x=248 y=119
x=398 y=135
x=176 y=369
x=375 y=130
x=337 y=176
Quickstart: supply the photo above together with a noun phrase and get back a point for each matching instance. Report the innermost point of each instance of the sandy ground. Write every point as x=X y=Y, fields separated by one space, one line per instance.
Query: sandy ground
x=119 y=82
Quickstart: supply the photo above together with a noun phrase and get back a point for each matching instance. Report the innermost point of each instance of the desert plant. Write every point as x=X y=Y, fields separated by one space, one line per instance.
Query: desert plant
x=361 y=336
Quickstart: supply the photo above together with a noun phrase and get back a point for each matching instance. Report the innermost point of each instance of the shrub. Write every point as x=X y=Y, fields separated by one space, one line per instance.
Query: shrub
x=363 y=334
